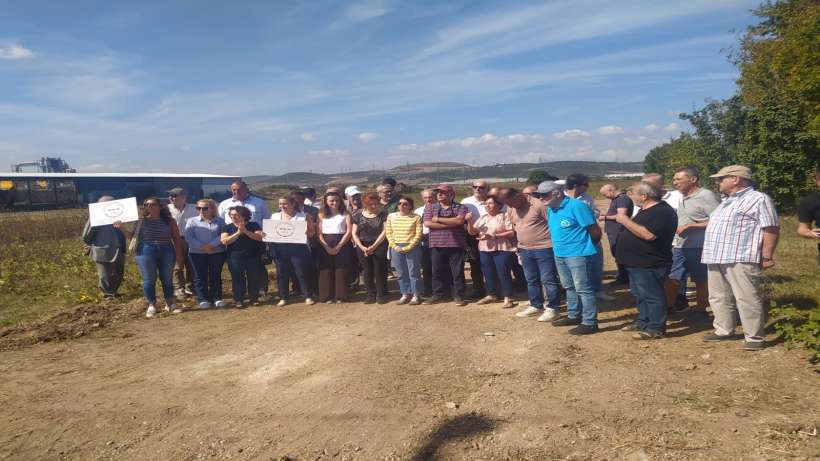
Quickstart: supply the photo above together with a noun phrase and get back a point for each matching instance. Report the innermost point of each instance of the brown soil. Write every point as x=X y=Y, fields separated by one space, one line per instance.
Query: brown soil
x=358 y=381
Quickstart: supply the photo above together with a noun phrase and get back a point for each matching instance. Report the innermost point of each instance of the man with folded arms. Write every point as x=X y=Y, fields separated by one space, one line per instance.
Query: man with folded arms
x=739 y=243
x=448 y=240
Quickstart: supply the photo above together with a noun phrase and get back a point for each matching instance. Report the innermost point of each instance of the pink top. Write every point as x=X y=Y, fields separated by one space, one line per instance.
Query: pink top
x=495 y=225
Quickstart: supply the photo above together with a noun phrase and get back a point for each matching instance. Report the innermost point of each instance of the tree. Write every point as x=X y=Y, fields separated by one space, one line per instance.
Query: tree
x=539 y=176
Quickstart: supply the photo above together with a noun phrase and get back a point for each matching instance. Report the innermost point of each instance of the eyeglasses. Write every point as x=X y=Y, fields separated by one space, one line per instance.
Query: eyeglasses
x=479 y=187
x=200 y=208
x=150 y=204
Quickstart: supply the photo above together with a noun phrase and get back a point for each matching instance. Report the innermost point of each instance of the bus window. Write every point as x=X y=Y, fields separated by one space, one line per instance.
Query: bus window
x=21 y=192
x=42 y=191
x=66 y=191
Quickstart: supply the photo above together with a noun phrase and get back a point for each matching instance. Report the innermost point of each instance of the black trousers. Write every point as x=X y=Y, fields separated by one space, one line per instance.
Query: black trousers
x=448 y=264
x=374 y=270
x=426 y=270
x=476 y=275
x=623 y=275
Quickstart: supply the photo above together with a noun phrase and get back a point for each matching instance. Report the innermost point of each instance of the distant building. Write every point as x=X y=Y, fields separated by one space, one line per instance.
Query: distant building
x=73 y=189
x=622 y=175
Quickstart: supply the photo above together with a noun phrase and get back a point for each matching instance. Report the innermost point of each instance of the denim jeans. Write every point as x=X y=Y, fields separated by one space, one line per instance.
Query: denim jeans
x=245 y=272
x=293 y=260
x=207 y=275
x=408 y=269
x=575 y=273
x=540 y=272
x=646 y=284
x=152 y=259
x=498 y=265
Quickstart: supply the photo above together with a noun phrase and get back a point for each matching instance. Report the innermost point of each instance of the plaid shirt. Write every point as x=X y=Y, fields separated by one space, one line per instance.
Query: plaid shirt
x=735 y=230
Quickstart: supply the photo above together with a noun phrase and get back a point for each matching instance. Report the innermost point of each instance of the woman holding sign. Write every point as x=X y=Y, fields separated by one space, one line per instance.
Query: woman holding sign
x=159 y=247
x=243 y=238
x=334 y=260
x=293 y=257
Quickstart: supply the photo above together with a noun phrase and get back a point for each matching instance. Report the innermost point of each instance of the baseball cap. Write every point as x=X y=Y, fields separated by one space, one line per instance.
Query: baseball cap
x=548 y=186
x=176 y=192
x=444 y=188
x=561 y=182
x=734 y=170
x=350 y=191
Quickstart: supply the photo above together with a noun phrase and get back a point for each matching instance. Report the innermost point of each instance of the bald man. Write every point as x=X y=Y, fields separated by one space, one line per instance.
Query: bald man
x=620 y=203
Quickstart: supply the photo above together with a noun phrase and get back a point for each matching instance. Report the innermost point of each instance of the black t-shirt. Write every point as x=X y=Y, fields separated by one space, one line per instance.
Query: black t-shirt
x=632 y=251
x=808 y=209
x=245 y=244
x=612 y=228
x=369 y=229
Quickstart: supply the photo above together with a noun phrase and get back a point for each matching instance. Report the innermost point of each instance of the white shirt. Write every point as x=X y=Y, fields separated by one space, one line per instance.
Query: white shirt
x=258 y=207
x=300 y=216
x=182 y=216
x=672 y=197
x=424 y=229
x=475 y=206
x=334 y=225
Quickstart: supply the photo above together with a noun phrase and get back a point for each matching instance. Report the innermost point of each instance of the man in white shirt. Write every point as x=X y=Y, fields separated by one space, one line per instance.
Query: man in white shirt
x=428 y=197
x=475 y=206
x=182 y=211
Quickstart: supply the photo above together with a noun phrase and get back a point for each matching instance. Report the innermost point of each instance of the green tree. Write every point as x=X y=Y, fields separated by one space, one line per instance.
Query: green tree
x=539 y=176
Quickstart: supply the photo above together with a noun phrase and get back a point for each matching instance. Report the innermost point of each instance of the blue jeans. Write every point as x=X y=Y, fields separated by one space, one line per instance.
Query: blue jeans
x=293 y=259
x=540 y=272
x=646 y=284
x=498 y=264
x=576 y=276
x=408 y=269
x=207 y=275
x=152 y=259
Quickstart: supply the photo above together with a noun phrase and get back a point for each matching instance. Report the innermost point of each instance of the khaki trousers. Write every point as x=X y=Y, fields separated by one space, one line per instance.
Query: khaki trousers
x=184 y=275
x=734 y=290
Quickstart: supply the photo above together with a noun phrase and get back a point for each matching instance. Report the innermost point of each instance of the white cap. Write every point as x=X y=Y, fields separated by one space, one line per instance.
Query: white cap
x=561 y=182
x=350 y=191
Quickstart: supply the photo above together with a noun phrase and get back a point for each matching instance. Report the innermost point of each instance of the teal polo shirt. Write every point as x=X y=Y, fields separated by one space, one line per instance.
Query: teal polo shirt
x=568 y=227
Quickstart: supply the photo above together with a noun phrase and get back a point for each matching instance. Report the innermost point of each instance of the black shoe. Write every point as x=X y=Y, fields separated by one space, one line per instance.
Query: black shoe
x=648 y=334
x=370 y=300
x=383 y=300
x=713 y=337
x=431 y=300
x=565 y=322
x=460 y=302
x=584 y=330
x=754 y=345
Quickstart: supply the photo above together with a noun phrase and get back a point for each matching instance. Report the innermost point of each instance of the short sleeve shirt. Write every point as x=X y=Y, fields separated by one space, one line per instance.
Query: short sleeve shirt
x=735 y=230
x=633 y=251
x=692 y=209
x=451 y=237
x=612 y=228
x=493 y=225
x=244 y=244
x=530 y=224
x=369 y=229
x=808 y=210
x=568 y=226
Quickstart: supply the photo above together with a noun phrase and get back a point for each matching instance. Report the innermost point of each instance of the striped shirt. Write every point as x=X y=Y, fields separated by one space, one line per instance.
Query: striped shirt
x=449 y=237
x=735 y=230
x=403 y=230
x=156 y=232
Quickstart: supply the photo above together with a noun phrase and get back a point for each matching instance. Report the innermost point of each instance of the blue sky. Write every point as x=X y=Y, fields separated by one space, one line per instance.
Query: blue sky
x=275 y=86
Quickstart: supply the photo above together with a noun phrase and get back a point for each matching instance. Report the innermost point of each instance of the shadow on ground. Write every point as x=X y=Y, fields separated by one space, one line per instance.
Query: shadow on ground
x=459 y=427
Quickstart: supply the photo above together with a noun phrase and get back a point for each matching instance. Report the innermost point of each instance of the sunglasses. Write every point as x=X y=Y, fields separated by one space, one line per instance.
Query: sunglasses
x=404 y=203
x=200 y=208
x=479 y=187
x=150 y=204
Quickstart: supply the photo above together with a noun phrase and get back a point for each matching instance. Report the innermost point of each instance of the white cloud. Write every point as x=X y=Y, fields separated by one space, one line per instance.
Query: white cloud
x=308 y=137
x=672 y=127
x=15 y=51
x=574 y=133
x=366 y=137
x=330 y=153
x=632 y=140
x=610 y=129
x=361 y=11
x=651 y=127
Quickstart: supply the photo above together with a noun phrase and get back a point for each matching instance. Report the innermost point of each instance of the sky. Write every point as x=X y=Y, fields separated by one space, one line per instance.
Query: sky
x=269 y=87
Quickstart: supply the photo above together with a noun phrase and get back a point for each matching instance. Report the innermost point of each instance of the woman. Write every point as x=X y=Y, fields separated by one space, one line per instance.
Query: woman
x=404 y=231
x=243 y=239
x=159 y=247
x=293 y=257
x=334 y=258
x=207 y=253
x=496 y=249
x=371 y=247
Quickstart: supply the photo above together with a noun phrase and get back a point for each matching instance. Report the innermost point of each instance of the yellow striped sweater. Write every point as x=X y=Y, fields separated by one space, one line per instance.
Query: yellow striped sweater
x=403 y=230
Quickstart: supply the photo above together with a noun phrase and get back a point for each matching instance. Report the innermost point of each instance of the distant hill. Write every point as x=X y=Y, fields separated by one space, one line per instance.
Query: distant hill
x=427 y=173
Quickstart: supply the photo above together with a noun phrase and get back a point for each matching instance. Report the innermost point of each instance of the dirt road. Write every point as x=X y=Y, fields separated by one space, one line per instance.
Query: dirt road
x=362 y=381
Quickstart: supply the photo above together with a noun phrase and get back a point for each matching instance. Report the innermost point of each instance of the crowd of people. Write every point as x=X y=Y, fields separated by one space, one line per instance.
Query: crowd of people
x=545 y=238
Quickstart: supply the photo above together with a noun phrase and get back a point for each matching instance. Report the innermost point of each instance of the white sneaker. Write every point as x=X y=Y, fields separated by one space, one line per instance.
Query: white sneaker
x=174 y=309
x=549 y=314
x=205 y=305
x=602 y=296
x=220 y=304
x=528 y=312
x=281 y=303
x=151 y=312
x=309 y=301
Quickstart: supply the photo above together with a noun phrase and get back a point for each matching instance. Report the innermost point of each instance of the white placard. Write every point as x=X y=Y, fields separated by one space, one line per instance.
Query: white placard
x=124 y=210
x=284 y=231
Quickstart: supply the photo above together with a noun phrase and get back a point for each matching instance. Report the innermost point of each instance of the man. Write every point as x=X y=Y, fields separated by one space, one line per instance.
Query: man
x=529 y=219
x=577 y=185
x=740 y=241
x=428 y=198
x=693 y=212
x=106 y=247
x=678 y=271
x=645 y=249
x=310 y=196
x=448 y=240
x=182 y=211
x=575 y=235
x=620 y=203
x=476 y=209
x=241 y=196
x=354 y=199
x=389 y=202
x=808 y=210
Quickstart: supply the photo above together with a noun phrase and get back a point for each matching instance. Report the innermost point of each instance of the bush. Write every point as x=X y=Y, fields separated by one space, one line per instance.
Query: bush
x=798 y=326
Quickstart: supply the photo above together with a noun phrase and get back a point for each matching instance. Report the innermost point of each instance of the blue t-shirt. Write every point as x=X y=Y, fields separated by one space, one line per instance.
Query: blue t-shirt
x=568 y=226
